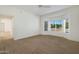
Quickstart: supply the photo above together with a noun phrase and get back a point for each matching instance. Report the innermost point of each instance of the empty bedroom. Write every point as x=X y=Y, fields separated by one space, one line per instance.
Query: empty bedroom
x=39 y=29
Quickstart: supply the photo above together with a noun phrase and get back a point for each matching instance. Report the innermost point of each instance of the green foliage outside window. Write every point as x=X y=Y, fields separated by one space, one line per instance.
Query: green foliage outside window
x=52 y=25
x=56 y=26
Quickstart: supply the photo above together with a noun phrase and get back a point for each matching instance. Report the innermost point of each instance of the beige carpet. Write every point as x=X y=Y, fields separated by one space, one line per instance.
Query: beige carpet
x=40 y=45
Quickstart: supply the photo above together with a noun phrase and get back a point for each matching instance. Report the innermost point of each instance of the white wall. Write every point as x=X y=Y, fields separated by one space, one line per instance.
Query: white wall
x=72 y=14
x=25 y=24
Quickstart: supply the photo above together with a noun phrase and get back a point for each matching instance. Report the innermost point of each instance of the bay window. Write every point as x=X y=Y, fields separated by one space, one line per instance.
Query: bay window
x=58 y=25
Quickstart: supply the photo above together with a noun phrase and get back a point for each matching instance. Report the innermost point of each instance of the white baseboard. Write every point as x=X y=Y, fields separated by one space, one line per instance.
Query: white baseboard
x=25 y=36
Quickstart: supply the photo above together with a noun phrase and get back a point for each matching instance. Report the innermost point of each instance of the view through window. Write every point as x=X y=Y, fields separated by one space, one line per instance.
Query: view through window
x=57 y=25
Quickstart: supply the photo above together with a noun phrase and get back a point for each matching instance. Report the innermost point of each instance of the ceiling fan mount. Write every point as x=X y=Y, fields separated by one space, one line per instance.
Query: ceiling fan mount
x=44 y=6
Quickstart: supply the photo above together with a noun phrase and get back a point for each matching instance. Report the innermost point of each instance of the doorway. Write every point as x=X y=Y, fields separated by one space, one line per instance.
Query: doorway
x=6 y=27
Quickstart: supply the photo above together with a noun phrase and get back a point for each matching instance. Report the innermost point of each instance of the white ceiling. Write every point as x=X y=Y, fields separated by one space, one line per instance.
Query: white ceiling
x=44 y=10
x=41 y=10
